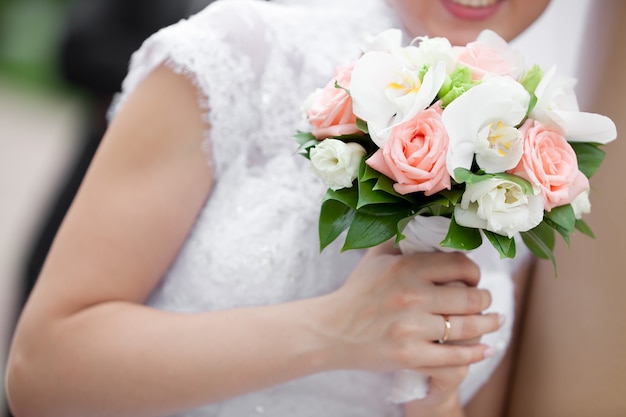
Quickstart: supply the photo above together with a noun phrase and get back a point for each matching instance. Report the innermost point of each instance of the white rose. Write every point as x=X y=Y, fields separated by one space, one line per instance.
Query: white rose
x=336 y=162
x=500 y=206
x=581 y=204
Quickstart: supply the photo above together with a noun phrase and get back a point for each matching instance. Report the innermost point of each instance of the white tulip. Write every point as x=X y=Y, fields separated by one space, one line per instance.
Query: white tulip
x=336 y=162
x=500 y=206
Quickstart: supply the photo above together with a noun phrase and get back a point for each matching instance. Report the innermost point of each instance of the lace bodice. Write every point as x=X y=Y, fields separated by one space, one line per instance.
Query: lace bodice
x=255 y=241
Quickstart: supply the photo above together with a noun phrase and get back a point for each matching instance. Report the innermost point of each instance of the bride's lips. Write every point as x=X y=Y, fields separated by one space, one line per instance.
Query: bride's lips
x=472 y=9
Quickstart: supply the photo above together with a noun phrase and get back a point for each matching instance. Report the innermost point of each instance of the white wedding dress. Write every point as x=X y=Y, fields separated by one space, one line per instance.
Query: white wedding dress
x=255 y=241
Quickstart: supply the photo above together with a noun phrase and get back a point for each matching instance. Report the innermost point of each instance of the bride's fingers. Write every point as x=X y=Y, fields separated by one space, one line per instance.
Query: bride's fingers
x=437 y=355
x=465 y=327
x=448 y=300
x=445 y=379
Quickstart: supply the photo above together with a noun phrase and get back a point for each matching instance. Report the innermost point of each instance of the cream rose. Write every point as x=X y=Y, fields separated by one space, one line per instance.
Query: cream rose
x=500 y=206
x=550 y=164
x=336 y=162
x=329 y=110
x=415 y=155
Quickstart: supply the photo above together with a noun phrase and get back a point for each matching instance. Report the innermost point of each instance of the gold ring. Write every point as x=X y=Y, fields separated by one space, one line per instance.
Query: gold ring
x=446 y=329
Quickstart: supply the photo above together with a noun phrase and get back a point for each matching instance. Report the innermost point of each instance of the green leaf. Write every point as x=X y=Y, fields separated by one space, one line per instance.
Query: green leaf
x=561 y=230
x=367 y=173
x=461 y=237
x=402 y=223
x=563 y=220
x=540 y=241
x=375 y=188
x=531 y=78
x=381 y=210
x=563 y=216
x=589 y=157
x=335 y=217
x=440 y=204
x=348 y=196
x=526 y=186
x=386 y=185
x=531 y=105
x=435 y=210
x=503 y=244
x=304 y=137
x=367 y=230
x=362 y=125
x=453 y=196
x=306 y=141
x=583 y=228
x=368 y=196
x=468 y=177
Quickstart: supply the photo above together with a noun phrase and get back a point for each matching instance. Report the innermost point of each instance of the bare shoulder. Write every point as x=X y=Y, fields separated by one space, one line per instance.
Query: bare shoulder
x=140 y=197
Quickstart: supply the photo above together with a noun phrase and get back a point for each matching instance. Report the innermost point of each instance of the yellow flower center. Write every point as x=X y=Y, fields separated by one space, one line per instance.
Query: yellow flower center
x=407 y=83
x=501 y=137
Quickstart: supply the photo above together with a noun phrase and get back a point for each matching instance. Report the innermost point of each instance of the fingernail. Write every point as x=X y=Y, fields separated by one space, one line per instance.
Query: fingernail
x=489 y=352
x=501 y=319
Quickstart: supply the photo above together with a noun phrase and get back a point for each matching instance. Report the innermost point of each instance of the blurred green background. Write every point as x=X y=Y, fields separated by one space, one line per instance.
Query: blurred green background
x=29 y=38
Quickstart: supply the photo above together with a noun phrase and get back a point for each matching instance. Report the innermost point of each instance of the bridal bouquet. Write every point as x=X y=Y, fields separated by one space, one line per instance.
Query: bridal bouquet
x=441 y=146
x=468 y=134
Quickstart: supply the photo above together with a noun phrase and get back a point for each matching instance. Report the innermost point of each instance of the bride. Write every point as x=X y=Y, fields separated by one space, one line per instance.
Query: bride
x=186 y=278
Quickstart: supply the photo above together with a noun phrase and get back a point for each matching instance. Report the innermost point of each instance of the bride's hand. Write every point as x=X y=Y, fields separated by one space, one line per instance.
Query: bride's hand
x=442 y=399
x=389 y=314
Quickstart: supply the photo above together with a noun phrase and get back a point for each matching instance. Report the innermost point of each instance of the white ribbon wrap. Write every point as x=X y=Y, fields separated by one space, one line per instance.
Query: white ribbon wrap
x=423 y=234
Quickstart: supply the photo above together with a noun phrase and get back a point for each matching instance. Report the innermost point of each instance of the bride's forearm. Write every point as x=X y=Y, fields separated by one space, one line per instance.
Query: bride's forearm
x=125 y=359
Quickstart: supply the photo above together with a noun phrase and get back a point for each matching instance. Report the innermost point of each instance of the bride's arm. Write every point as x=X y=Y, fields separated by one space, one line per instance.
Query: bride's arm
x=85 y=344
x=85 y=323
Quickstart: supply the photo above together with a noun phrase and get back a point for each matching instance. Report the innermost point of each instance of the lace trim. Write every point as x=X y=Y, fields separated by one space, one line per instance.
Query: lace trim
x=209 y=69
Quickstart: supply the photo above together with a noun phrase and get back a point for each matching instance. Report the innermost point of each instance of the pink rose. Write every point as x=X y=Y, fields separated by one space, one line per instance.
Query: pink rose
x=330 y=113
x=415 y=154
x=550 y=163
x=482 y=59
